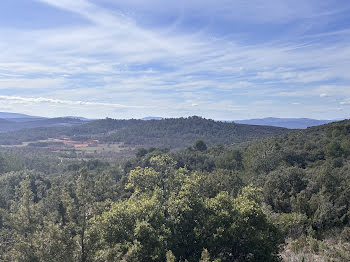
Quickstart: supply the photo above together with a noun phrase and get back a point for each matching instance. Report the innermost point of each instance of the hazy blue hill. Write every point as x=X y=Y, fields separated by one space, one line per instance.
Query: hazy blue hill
x=7 y=115
x=7 y=125
x=17 y=117
x=26 y=119
x=59 y=121
x=5 y=122
x=294 y=123
x=13 y=124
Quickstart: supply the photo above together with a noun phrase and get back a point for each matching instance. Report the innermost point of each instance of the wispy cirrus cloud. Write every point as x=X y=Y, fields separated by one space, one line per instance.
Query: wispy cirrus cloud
x=118 y=56
x=18 y=99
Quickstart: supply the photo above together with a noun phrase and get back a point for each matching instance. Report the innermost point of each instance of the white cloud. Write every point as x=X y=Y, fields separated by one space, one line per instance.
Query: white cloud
x=21 y=100
x=257 y=11
x=124 y=61
x=345 y=102
x=333 y=90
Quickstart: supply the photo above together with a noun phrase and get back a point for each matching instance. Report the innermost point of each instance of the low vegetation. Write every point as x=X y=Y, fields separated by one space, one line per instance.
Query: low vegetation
x=279 y=198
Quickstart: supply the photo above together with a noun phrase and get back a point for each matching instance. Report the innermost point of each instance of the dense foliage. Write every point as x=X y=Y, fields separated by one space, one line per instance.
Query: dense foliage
x=172 y=133
x=286 y=197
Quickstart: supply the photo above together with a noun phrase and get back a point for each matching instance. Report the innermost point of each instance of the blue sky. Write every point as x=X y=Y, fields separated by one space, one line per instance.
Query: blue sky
x=228 y=59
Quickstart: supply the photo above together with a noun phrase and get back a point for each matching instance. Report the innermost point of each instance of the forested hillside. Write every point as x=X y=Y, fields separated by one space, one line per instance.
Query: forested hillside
x=173 y=133
x=285 y=197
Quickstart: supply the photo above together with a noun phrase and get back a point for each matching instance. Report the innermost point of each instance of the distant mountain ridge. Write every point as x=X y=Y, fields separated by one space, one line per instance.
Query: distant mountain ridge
x=14 y=124
x=8 y=115
x=292 y=123
x=16 y=121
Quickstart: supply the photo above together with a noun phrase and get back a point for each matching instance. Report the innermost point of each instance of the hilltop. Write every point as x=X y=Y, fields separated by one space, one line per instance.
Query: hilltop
x=174 y=133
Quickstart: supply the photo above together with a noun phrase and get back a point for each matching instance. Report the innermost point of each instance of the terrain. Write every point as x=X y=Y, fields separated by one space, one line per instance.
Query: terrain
x=7 y=125
x=293 y=123
x=109 y=136
x=14 y=116
x=15 y=121
x=265 y=194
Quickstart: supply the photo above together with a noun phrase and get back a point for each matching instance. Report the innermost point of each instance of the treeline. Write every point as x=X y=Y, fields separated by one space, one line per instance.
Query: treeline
x=175 y=133
x=286 y=197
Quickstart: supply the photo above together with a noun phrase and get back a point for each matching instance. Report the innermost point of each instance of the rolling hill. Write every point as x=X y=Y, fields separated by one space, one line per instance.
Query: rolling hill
x=174 y=133
x=8 y=115
x=13 y=124
x=293 y=123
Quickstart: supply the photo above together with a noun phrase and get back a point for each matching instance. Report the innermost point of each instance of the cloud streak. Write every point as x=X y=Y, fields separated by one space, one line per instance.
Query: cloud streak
x=115 y=57
x=20 y=100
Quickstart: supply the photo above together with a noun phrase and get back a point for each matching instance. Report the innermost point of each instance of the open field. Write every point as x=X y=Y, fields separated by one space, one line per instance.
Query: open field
x=67 y=148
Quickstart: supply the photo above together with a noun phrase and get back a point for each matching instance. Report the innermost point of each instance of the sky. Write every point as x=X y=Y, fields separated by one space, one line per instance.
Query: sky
x=224 y=60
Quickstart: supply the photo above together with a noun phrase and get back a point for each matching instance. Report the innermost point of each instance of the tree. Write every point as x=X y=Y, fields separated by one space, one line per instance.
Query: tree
x=141 y=152
x=205 y=257
x=231 y=160
x=133 y=230
x=334 y=150
x=25 y=221
x=170 y=256
x=185 y=220
x=236 y=229
x=282 y=185
x=200 y=145
x=80 y=208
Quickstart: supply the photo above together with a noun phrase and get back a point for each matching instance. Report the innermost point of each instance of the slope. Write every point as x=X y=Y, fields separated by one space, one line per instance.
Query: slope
x=174 y=133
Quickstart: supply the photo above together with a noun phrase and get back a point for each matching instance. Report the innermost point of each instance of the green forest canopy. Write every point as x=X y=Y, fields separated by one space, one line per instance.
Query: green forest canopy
x=174 y=133
x=254 y=202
